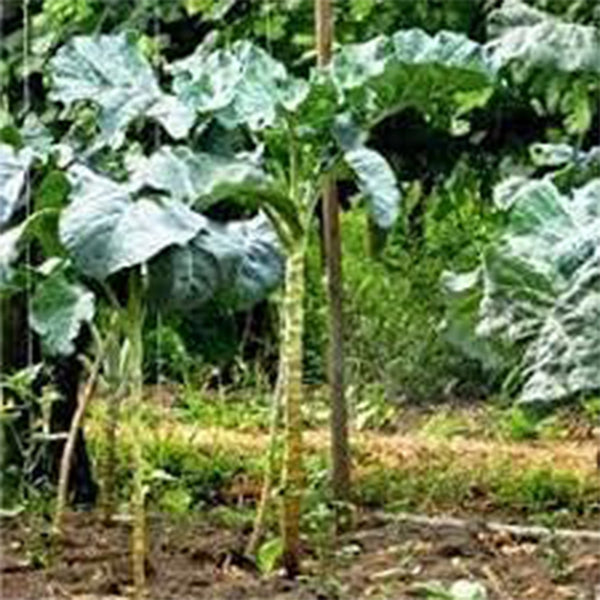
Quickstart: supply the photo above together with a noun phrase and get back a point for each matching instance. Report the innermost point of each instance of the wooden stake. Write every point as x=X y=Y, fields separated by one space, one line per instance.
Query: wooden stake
x=340 y=453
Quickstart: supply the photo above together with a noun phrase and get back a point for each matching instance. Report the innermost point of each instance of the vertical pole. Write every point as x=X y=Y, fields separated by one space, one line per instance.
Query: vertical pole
x=340 y=453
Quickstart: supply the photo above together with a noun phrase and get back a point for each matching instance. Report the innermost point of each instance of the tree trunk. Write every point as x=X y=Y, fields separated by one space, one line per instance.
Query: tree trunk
x=293 y=476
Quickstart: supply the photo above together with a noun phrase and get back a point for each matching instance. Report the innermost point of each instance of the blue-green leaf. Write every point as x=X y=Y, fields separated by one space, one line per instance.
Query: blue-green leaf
x=242 y=85
x=377 y=183
x=58 y=310
x=9 y=254
x=555 y=63
x=106 y=230
x=239 y=263
x=41 y=225
x=110 y=71
x=544 y=43
x=541 y=289
x=14 y=166
x=442 y=76
x=191 y=177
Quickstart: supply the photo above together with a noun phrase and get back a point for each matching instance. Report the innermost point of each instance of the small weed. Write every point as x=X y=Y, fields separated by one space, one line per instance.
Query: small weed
x=591 y=409
x=372 y=409
x=239 y=518
x=176 y=501
x=518 y=424
x=556 y=557
x=229 y=411
x=541 y=489
x=446 y=425
x=269 y=555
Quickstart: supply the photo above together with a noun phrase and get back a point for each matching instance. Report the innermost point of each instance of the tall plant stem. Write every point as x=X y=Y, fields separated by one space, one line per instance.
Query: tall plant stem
x=271 y=467
x=293 y=473
x=118 y=389
x=340 y=453
x=67 y=455
x=109 y=467
x=135 y=315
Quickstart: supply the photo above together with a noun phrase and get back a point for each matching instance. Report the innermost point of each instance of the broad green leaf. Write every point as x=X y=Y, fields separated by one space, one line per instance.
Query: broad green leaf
x=554 y=62
x=58 y=310
x=202 y=179
x=106 y=230
x=110 y=71
x=41 y=226
x=464 y=294
x=544 y=42
x=260 y=263
x=239 y=86
x=377 y=183
x=36 y=136
x=52 y=191
x=541 y=289
x=191 y=177
x=442 y=76
x=14 y=167
x=239 y=263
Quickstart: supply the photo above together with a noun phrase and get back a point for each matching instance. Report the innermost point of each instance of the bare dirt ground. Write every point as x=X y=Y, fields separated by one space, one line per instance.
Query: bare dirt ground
x=194 y=560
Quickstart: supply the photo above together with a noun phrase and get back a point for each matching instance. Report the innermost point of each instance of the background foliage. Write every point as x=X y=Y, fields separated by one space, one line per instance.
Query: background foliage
x=394 y=303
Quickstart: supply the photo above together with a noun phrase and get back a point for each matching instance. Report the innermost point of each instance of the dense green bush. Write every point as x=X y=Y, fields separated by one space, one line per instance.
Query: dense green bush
x=393 y=314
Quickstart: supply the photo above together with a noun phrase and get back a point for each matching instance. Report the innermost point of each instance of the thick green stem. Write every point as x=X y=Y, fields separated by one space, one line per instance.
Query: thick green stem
x=293 y=473
x=135 y=315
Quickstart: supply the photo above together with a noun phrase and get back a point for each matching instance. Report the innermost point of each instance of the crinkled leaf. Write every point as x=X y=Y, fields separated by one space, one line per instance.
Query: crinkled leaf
x=572 y=167
x=190 y=176
x=239 y=263
x=36 y=135
x=464 y=293
x=542 y=289
x=377 y=183
x=58 y=310
x=514 y=13
x=14 y=167
x=260 y=265
x=555 y=62
x=239 y=86
x=442 y=75
x=545 y=43
x=105 y=230
x=203 y=179
x=110 y=71
x=553 y=155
